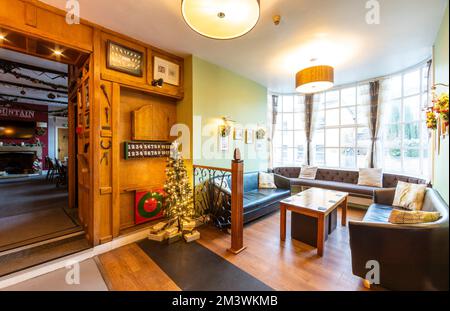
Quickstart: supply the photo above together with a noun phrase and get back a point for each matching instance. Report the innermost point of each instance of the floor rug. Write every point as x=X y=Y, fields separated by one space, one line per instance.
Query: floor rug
x=24 y=227
x=195 y=268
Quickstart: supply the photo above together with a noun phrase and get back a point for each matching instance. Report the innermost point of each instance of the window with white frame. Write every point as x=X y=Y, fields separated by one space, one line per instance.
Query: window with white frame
x=289 y=143
x=405 y=141
x=341 y=134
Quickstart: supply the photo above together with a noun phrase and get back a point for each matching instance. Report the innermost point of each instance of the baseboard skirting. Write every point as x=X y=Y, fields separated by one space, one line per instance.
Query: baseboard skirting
x=60 y=263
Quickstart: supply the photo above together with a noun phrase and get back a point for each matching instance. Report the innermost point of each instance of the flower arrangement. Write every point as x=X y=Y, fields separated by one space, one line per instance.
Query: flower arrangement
x=225 y=130
x=431 y=119
x=441 y=107
x=439 y=112
x=261 y=134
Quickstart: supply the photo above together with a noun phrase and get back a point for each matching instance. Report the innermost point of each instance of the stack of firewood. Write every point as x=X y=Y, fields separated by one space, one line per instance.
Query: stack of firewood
x=174 y=230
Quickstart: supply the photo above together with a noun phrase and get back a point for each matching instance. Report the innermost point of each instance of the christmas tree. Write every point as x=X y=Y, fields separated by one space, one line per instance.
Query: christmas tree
x=179 y=200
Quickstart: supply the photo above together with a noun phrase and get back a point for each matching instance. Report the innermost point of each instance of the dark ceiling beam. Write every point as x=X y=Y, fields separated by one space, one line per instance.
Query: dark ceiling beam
x=24 y=86
x=35 y=99
x=34 y=68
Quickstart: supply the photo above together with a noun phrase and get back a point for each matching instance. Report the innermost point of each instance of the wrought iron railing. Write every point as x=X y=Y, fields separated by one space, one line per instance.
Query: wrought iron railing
x=212 y=187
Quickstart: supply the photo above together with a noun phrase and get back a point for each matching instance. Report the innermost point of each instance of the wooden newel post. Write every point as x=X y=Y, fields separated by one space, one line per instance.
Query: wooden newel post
x=237 y=204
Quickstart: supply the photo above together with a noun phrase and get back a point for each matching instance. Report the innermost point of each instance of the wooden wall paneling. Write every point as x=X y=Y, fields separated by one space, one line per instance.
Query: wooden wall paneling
x=163 y=120
x=167 y=89
x=141 y=128
x=106 y=194
x=30 y=15
x=116 y=154
x=38 y=19
x=142 y=174
x=142 y=83
x=126 y=210
x=24 y=43
x=105 y=163
x=100 y=176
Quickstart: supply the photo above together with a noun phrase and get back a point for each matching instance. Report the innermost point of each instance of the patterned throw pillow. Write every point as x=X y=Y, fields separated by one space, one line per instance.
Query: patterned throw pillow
x=412 y=217
x=308 y=172
x=409 y=196
x=267 y=181
x=372 y=177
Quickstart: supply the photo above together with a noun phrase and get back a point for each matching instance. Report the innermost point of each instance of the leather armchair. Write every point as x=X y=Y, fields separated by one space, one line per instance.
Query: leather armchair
x=411 y=257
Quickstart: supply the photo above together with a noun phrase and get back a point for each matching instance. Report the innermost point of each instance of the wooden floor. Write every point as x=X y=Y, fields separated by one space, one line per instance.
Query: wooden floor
x=290 y=265
x=130 y=269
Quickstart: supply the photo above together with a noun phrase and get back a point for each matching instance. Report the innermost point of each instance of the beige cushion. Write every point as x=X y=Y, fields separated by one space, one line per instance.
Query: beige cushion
x=267 y=181
x=409 y=196
x=372 y=177
x=412 y=217
x=308 y=172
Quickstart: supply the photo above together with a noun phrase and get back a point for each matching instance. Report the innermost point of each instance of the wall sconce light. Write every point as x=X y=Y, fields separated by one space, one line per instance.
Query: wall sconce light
x=158 y=82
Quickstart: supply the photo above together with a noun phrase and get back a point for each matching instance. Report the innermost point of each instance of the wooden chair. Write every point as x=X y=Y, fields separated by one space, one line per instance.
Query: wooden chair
x=61 y=177
x=51 y=169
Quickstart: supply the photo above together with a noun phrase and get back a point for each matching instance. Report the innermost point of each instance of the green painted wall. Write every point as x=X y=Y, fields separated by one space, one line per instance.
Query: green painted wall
x=217 y=92
x=441 y=67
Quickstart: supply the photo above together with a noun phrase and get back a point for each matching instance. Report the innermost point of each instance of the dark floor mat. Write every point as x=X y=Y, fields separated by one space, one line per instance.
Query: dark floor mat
x=195 y=268
x=38 y=255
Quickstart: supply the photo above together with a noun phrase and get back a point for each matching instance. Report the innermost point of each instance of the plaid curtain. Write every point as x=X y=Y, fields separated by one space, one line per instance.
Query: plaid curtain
x=274 y=124
x=308 y=126
x=374 y=122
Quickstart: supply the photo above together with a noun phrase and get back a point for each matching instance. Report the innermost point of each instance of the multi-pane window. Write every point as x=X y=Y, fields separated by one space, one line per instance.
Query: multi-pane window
x=289 y=144
x=341 y=135
x=404 y=135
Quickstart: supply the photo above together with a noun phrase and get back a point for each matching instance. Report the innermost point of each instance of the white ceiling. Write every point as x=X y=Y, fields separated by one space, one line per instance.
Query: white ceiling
x=333 y=31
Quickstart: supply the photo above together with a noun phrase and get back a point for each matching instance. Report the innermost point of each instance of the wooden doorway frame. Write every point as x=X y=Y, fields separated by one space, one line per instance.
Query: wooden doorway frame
x=77 y=61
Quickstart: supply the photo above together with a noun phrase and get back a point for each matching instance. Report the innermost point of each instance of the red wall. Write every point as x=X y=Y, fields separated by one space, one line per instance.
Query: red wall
x=40 y=115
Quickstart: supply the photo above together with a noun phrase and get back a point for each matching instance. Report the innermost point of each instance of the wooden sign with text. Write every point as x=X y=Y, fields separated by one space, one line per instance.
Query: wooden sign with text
x=144 y=150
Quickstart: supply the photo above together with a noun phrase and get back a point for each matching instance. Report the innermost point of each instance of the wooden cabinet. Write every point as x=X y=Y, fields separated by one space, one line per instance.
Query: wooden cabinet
x=162 y=123
x=152 y=122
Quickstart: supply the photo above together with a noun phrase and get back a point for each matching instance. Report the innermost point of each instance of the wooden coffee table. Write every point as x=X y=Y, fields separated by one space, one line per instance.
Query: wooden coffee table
x=317 y=203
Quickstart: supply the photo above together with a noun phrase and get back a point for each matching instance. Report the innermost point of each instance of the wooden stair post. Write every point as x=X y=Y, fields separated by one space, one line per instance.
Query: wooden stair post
x=237 y=203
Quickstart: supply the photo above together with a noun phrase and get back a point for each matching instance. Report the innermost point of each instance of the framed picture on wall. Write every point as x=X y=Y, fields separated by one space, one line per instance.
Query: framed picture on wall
x=224 y=138
x=123 y=59
x=259 y=145
x=249 y=136
x=166 y=70
x=238 y=134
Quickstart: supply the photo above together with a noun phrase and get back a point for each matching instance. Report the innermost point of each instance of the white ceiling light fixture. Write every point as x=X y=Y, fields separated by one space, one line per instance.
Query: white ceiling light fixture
x=219 y=19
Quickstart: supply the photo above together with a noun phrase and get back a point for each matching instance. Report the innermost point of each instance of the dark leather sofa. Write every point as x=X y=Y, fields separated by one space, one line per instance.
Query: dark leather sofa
x=411 y=257
x=257 y=202
x=342 y=180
